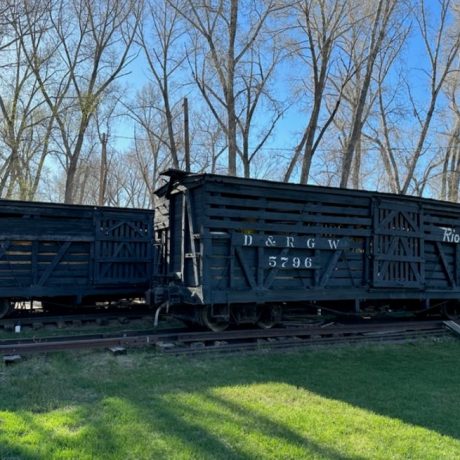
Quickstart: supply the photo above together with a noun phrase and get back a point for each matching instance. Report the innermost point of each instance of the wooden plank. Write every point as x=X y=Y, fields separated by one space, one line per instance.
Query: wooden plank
x=218 y=200
x=445 y=266
x=44 y=238
x=306 y=194
x=53 y=265
x=297 y=229
x=453 y=326
x=191 y=232
x=248 y=275
x=242 y=214
x=334 y=258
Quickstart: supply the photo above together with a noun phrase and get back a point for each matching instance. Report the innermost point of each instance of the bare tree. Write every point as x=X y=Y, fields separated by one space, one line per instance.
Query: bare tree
x=256 y=96
x=25 y=124
x=379 y=30
x=399 y=125
x=209 y=144
x=160 y=39
x=150 y=152
x=442 y=45
x=24 y=129
x=86 y=50
x=318 y=37
x=451 y=158
x=223 y=36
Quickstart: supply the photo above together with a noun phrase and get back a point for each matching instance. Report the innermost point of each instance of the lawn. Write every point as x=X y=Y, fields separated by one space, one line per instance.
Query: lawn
x=342 y=403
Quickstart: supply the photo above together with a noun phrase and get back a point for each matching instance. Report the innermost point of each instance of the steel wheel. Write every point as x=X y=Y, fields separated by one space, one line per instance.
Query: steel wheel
x=5 y=307
x=451 y=310
x=269 y=316
x=215 y=324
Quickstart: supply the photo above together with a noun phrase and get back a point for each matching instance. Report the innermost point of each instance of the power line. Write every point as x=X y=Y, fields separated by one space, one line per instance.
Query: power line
x=287 y=149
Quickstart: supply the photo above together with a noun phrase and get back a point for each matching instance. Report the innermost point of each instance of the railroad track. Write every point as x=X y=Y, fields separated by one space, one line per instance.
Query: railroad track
x=37 y=320
x=180 y=341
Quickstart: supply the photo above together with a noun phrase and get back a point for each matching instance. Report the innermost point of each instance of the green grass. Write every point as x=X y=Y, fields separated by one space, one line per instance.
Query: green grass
x=344 y=403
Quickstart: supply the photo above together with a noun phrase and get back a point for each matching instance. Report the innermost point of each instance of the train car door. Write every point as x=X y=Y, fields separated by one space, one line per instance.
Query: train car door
x=398 y=245
x=123 y=251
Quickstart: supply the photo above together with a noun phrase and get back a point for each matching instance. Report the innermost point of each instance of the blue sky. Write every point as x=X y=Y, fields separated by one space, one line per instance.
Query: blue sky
x=286 y=135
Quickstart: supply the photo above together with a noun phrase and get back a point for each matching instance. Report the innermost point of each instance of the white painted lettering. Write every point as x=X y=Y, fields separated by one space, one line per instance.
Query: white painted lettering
x=311 y=243
x=270 y=242
x=290 y=242
x=448 y=232
x=333 y=244
x=450 y=235
x=248 y=240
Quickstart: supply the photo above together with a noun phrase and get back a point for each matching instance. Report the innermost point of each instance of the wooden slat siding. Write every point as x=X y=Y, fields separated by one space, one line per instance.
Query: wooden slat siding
x=183 y=238
x=57 y=259
x=191 y=218
x=272 y=274
x=446 y=266
x=456 y=265
x=286 y=228
x=50 y=250
x=163 y=238
x=217 y=200
x=441 y=209
x=260 y=268
x=249 y=278
x=226 y=205
x=176 y=235
x=266 y=215
x=254 y=207
x=434 y=227
x=200 y=180
x=284 y=193
x=441 y=269
x=122 y=249
x=292 y=211
x=206 y=250
x=398 y=244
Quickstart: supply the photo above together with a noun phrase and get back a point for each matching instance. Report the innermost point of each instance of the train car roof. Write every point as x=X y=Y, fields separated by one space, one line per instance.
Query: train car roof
x=192 y=180
x=61 y=207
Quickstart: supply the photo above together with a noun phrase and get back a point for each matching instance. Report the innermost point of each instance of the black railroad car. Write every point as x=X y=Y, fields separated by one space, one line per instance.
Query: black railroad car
x=241 y=250
x=66 y=254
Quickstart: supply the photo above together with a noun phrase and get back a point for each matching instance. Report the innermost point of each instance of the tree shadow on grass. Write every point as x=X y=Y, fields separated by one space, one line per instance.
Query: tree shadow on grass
x=107 y=440
x=182 y=428
x=417 y=386
x=218 y=411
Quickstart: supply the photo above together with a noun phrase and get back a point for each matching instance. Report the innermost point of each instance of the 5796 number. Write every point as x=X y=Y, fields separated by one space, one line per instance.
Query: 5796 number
x=290 y=262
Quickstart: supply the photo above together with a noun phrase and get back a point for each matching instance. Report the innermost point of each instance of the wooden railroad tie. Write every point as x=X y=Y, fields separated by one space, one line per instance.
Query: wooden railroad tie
x=453 y=326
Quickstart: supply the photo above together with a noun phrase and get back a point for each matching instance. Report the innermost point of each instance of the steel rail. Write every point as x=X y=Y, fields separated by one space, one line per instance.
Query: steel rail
x=42 y=319
x=180 y=341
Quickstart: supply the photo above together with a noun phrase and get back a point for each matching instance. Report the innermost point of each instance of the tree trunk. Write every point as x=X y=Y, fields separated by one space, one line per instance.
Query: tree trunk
x=230 y=96
x=375 y=45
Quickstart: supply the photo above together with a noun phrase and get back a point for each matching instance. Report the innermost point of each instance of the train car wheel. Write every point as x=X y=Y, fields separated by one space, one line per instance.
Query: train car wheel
x=451 y=310
x=215 y=324
x=5 y=307
x=269 y=316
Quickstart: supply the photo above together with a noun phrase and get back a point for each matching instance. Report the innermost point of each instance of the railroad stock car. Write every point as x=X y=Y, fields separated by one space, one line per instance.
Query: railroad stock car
x=69 y=254
x=236 y=250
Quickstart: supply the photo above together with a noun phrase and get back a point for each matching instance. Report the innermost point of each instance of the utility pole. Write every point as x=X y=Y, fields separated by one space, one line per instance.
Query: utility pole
x=103 y=171
x=186 y=136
